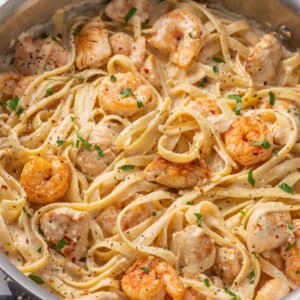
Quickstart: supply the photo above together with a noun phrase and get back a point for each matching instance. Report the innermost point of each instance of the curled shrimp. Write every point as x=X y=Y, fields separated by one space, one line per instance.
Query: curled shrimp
x=152 y=279
x=46 y=181
x=249 y=141
x=178 y=31
x=274 y=289
x=8 y=83
x=125 y=96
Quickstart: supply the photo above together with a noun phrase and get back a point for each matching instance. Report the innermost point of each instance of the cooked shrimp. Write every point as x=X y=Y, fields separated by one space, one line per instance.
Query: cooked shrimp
x=244 y=131
x=177 y=175
x=194 y=249
x=263 y=62
x=228 y=264
x=291 y=256
x=108 y=219
x=118 y=9
x=125 y=96
x=46 y=181
x=296 y=224
x=92 y=45
x=121 y=43
x=205 y=107
x=23 y=85
x=39 y=56
x=270 y=232
x=8 y=83
x=150 y=72
x=152 y=279
x=274 y=289
x=70 y=228
x=104 y=135
x=178 y=31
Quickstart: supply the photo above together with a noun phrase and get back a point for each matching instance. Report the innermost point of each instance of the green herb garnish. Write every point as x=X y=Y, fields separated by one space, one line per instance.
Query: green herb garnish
x=215 y=69
x=62 y=242
x=20 y=111
x=154 y=213
x=242 y=212
x=84 y=143
x=50 y=91
x=145 y=269
x=26 y=212
x=73 y=119
x=37 y=279
x=286 y=188
x=265 y=144
x=60 y=142
x=113 y=78
x=54 y=38
x=129 y=15
x=126 y=93
x=290 y=225
x=190 y=203
x=271 y=98
x=289 y=247
x=99 y=151
x=218 y=60
x=127 y=167
x=199 y=219
x=13 y=103
x=275 y=151
x=238 y=100
x=251 y=180
x=139 y=103
x=206 y=282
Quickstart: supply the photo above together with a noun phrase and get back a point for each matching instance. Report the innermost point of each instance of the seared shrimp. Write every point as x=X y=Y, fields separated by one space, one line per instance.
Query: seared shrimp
x=104 y=135
x=23 y=85
x=270 y=232
x=39 y=56
x=274 y=289
x=292 y=263
x=263 y=62
x=8 y=83
x=249 y=141
x=178 y=31
x=150 y=72
x=205 y=107
x=118 y=9
x=68 y=227
x=125 y=96
x=152 y=279
x=228 y=264
x=92 y=45
x=46 y=181
x=194 y=249
x=177 y=175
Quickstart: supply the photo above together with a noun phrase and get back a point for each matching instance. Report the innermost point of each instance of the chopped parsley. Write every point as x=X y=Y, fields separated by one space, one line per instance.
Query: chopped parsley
x=206 y=282
x=20 y=111
x=113 y=78
x=191 y=34
x=13 y=103
x=203 y=82
x=215 y=69
x=60 y=142
x=99 y=151
x=265 y=144
x=238 y=100
x=289 y=247
x=39 y=250
x=60 y=244
x=271 y=98
x=275 y=151
x=251 y=180
x=76 y=77
x=145 y=269
x=129 y=15
x=242 y=212
x=190 y=203
x=44 y=35
x=218 y=60
x=199 y=219
x=50 y=91
x=26 y=212
x=54 y=38
x=286 y=188
x=84 y=143
x=235 y=297
x=154 y=213
x=126 y=93
x=37 y=279
x=290 y=225
x=73 y=119
x=139 y=103
x=127 y=167
x=49 y=78
x=251 y=274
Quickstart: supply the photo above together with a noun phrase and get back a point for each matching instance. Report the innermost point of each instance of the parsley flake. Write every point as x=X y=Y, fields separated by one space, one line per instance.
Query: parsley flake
x=235 y=297
x=37 y=279
x=265 y=144
x=251 y=274
x=203 y=82
x=26 y=212
x=199 y=219
x=39 y=250
x=84 y=143
x=126 y=93
x=13 y=103
x=154 y=213
x=54 y=38
x=275 y=151
x=73 y=119
x=238 y=100
x=127 y=167
x=190 y=203
x=99 y=151
x=286 y=188
x=62 y=242
x=20 y=111
x=271 y=98
x=60 y=142
x=76 y=77
x=139 y=103
x=113 y=78
x=206 y=282
x=290 y=225
x=50 y=91
x=251 y=180
x=218 y=60
x=215 y=69
x=242 y=212
x=289 y=247
x=145 y=269
x=129 y=15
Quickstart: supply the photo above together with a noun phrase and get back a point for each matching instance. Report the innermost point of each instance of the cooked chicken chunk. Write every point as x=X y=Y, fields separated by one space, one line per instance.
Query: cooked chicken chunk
x=68 y=229
x=177 y=175
x=274 y=289
x=104 y=135
x=40 y=56
x=264 y=60
x=118 y=9
x=138 y=52
x=23 y=85
x=150 y=72
x=121 y=43
x=228 y=264
x=271 y=232
x=194 y=249
x=8 y=83
x=92 y=45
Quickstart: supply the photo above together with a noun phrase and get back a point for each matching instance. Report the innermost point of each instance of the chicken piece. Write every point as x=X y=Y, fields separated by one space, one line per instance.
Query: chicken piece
x=40 y=56
x=177 y=175
x=100 y=296
x=263 y=62
x=138 y=52
x=150 y=72
x=104 y=135
x=121 y=43
x=195 y=250
x=92 y=45
x=270 y=232
x=228 y=264
x=22 y=85
x=274 y=289
x=68 y=229
x=118 y=9
x=205 y=107
x=8 y=83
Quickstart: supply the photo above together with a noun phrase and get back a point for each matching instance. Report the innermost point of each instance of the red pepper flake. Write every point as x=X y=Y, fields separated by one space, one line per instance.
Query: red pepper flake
x=3 y=187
